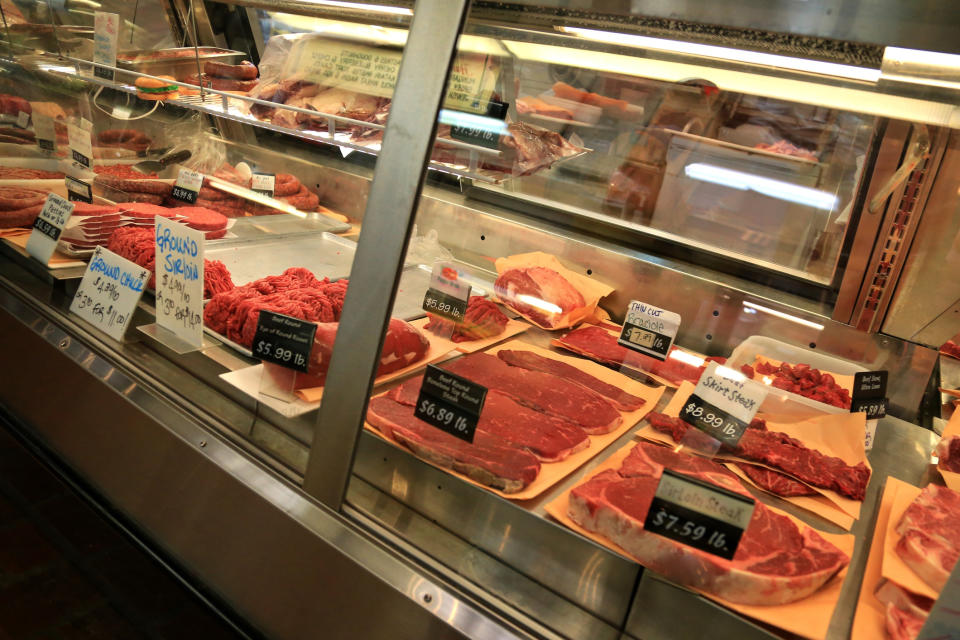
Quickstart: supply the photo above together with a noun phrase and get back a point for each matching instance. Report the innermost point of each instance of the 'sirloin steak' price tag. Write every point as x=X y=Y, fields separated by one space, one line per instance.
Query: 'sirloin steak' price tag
x=23 y=119
x=45 y=132
x=450 y=403
x=649 y=329
x=48 y=226
x=78 y=189
x=723 y=403
x=264 y=183
x=284 y=340
x=869 y=394
x=109 y=292
x=187 y=186
x=81 y=147
x=448 y=294
x=699 y=514
x=106 y=27
x=179 y=266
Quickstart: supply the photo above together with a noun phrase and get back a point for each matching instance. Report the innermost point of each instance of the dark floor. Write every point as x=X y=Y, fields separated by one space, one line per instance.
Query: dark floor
x=67 y=572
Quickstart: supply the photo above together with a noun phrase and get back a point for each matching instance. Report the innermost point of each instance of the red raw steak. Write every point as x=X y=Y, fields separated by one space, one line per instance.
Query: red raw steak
x=538 y=293
x=776 y=562
x=535 y=362
x=486 y=460
x=512 y=424
x=541 y=391
x=930 y=534
x=776 y=482
x=948 y=453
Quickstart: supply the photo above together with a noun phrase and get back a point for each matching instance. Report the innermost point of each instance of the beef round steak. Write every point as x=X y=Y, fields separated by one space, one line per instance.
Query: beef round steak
x=535 y=362
x=930 y=534
x=540 y=391
x=486 y=460
x=776 y=562
x=548 y=438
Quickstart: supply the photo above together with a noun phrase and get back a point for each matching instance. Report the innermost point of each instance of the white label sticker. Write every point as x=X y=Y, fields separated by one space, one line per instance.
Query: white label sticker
x=187 y=186
x=46 y=134
x=723 y=403
x=179 y=266
x=23 y=119
x=264 y=183
x=106 y=27
x=48 y=226
x=109 y=292
x=81 y=147
x=649 y=329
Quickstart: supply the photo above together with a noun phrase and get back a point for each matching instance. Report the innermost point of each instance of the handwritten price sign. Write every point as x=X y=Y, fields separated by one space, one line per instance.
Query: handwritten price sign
x=109 y=292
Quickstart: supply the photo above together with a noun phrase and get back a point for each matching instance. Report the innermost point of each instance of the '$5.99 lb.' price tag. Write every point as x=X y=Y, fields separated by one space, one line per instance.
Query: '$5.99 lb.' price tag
x=723 y=403
x=699 y=514
x=450 y=403
x=284 y=340
x=448 y=294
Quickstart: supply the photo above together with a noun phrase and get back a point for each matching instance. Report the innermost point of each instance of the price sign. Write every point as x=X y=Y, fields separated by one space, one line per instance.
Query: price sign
x=263 y=183
x=81 y=147
x=450 y=403
x=284 y=340
x=179 y=296
x=699 y=514
x=649 y=329
x=869 y=394
x=448 y=294
x=187 y=186
x=109 y=292
x=23 y=119
x=106 y=28
x=46 y=134
x=723 y=403
x=47 y=227
x=78 y=189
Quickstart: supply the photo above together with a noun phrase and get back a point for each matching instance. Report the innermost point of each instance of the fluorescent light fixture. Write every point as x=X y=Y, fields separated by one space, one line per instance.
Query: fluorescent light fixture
x=767 y=186
x=473 y=121
x=686 y=358
x=361 y=6
x=780 y=314
x=534 y=301
x=921 y=67
x=727 y=53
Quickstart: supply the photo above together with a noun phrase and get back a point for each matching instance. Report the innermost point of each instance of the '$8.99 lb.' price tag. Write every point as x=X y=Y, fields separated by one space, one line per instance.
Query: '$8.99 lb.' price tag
x=723 y=403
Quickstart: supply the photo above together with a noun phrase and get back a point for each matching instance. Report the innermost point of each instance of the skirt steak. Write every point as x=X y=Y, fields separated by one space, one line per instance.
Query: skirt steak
x=776 y=562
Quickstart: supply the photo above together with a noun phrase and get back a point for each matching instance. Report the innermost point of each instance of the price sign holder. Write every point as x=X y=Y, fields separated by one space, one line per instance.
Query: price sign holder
x=450 y=403
x=699 y=514
x=476 y=129
x=81 y=146
x=283 y=340
x=78 y=189
x=649 y=329
x=722 y=405
x=109 y=292
x=106 y=29
x=263 y=183
x=47 y=228
x=23 y=119
x=187 y=187
x=448 y=294
x=869 y=394
x=44 y=131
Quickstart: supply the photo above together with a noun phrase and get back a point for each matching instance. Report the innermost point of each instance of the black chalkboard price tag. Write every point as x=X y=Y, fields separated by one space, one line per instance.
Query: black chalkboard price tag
x=699 y=514
x=78 y=190
x=284 y=340
x=649 y=329
x=869 y=394
x=448 y=294
x=450 y=403
x=187 y=187
x=723 y=403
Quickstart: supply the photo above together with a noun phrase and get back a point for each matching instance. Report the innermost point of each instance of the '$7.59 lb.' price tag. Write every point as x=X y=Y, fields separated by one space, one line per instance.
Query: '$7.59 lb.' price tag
x=723 y=403
x=284 y=340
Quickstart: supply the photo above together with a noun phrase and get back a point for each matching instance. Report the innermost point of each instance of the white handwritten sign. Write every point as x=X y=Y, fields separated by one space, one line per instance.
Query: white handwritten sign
x=649 y=329
x=723 y=403
x=81 y=147
x=109 y=292
x=106 y=27
x=179 y=267
x=45 y=132
x=48 y=226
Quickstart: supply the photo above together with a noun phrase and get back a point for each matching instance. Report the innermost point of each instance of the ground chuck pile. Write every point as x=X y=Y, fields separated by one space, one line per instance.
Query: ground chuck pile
x=137 y=244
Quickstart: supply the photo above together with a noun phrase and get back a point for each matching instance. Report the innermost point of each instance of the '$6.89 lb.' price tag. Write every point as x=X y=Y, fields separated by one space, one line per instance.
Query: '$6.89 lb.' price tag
x=450 y=403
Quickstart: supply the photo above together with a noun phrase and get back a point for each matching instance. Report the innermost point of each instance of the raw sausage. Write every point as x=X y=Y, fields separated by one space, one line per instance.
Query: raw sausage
x=246 y=70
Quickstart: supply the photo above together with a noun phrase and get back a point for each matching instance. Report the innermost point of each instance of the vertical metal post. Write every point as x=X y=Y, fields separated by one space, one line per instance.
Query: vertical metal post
x=391 y=209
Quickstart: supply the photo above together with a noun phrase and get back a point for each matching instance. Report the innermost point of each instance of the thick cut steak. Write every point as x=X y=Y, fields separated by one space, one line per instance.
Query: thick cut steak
x=541 y=391
x=512 y=424
x=948 y=454
x=889 y=592
x=538 y=293
x=776 y=562
x=784 y=453
x=775 y=482
x=535 y=362
x=930 y=534
x=486 y=460
x=902 y=625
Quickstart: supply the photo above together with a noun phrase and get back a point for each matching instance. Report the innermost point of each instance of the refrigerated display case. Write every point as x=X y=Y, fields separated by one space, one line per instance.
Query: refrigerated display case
x=787 y=193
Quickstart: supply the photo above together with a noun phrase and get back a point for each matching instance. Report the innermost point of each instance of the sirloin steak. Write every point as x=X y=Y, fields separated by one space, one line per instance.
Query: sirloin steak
x=930 y=534
x=776 y=562
x=487 y=460
x=540 y=391
x=514 y=425
x=535 y=362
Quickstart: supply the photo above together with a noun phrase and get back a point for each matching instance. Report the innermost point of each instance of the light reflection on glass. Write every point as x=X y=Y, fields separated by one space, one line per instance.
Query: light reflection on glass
x=753 y=308
x=767 y=186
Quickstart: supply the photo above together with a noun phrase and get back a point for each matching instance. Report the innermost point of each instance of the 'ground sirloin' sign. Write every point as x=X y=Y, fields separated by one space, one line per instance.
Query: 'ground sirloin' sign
x=179 y=267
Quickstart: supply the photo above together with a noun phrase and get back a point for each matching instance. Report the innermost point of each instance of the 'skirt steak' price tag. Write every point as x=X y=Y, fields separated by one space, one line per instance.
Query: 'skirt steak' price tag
x=263 y=183
x=78 y=189
x=106 y=27
x=81 y=148
x=109 y=292
x=869 y=394
x=23 y=119
x=649 y=329
x=699 y=514
x=448 y=295
x=284 y=340
x=723 y=403
x=44 y=131
x=187 y=186
x=450 y=403
x=179 y=266
x=48 y=226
